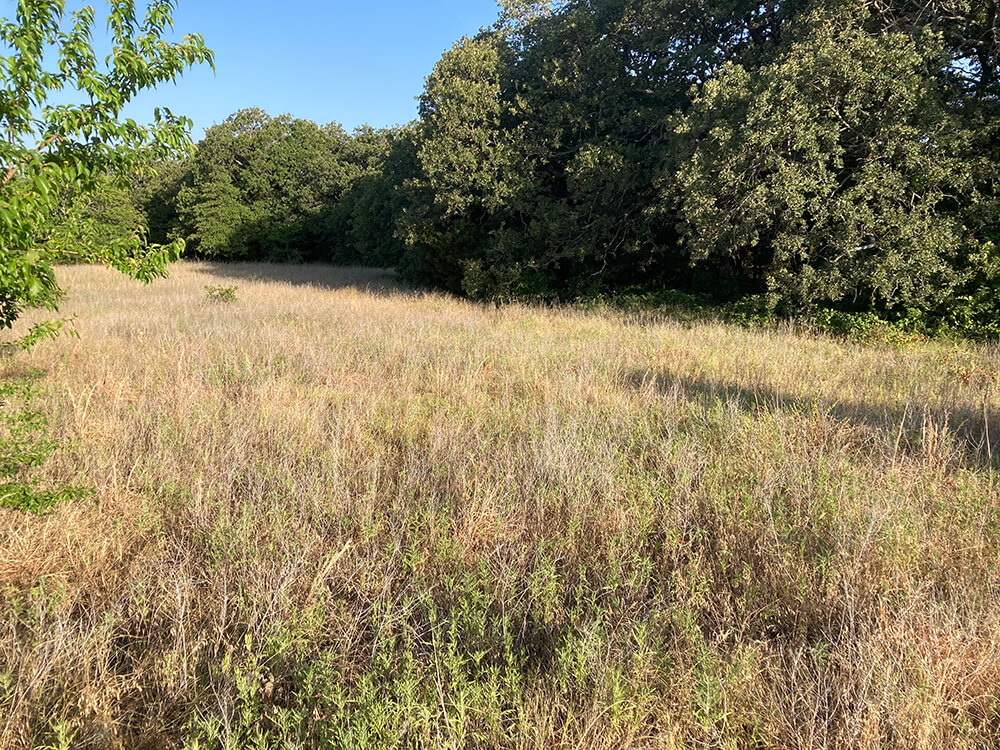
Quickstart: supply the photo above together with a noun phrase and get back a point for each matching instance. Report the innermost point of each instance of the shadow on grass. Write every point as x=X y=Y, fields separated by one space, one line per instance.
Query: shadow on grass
x=379 y=282
x=974 y=431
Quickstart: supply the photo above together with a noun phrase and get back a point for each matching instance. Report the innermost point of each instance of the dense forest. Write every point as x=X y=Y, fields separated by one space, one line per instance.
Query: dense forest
x=797 y=155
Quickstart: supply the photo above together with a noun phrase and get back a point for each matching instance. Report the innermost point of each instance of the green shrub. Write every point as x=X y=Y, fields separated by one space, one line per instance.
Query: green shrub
x=869 y=328
x=25 y=445
x=225 y=294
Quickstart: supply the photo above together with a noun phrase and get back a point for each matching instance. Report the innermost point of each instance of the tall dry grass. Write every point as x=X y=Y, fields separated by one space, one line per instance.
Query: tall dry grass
x=339 y=514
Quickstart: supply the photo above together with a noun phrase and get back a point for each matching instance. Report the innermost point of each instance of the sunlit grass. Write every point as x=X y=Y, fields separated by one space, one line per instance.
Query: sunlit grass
x=334 y=512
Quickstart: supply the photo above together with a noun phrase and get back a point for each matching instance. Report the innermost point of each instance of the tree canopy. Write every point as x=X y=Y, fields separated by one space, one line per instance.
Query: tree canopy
x=259 y=187
x=805 y=154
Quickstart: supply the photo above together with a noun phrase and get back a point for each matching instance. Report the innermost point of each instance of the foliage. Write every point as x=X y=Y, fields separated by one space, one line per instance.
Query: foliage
x=868 y=328
x=816 y=154
x=362 y=227
x=787 y=157
x=75 y=145
x=278 y=188
x=25 y=445
x=540 y=147
x=543 y=142
x=837 y=172
x=154 y=193
x=220 y=293
x=470 y=166
x=104 y=215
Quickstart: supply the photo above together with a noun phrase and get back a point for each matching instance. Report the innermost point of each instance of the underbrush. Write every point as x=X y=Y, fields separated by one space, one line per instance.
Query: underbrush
x=25 y=445
x=966 y=320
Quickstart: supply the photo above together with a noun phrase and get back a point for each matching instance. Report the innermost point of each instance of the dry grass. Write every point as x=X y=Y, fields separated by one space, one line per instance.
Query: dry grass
x=337 y=514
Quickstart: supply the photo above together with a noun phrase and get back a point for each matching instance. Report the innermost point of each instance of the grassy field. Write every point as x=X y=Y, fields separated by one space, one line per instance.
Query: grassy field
x=334 y=513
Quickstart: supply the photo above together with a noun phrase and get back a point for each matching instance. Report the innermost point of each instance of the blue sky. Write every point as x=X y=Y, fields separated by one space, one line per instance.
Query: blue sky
x=334 y=61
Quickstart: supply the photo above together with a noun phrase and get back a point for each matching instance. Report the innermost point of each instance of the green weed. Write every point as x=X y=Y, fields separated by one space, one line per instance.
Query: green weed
x=25 y=445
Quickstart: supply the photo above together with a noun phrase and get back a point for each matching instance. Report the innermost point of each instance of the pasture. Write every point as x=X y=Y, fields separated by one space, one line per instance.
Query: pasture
x=334 y=512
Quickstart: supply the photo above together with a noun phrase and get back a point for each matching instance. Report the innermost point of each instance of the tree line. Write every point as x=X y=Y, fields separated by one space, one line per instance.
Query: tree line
x=278 y=189
x=795 y=154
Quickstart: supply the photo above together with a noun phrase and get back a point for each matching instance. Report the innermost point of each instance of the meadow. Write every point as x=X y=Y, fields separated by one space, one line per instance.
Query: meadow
x=325 y=510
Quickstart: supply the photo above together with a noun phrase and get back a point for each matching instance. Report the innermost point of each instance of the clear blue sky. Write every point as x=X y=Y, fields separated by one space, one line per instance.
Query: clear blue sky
x=345 y=61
